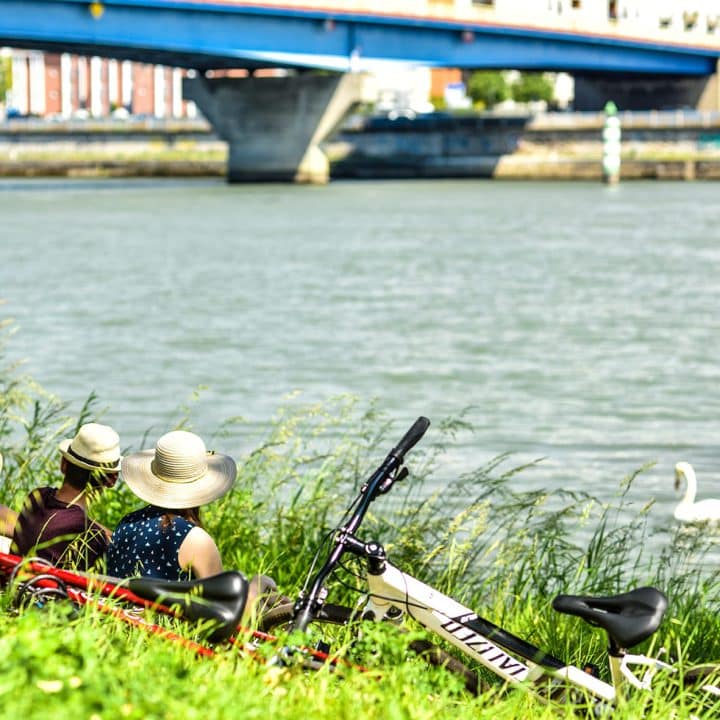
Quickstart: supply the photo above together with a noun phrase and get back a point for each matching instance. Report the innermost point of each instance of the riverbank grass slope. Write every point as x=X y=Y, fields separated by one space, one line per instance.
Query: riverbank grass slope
x=497 y=548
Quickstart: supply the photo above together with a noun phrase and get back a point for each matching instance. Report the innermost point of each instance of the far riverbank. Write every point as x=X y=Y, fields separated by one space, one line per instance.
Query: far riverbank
x=663 y=146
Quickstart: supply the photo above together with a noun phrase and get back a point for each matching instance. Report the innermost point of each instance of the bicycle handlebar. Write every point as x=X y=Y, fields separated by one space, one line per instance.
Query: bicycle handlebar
x=306 y=606
x=411 y=437
x=391 y=463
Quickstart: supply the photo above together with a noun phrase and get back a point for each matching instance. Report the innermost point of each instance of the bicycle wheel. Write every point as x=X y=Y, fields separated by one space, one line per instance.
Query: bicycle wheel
x=703 y=675
x=699 y=688
x=703 y=684
x=282 y=615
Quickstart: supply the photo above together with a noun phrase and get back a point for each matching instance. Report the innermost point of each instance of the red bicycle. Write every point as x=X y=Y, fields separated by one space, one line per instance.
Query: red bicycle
x=214 y=604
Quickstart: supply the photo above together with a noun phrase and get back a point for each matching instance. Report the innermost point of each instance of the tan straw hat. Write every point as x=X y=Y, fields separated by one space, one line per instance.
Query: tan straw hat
x=95 y=447
x=179 y=473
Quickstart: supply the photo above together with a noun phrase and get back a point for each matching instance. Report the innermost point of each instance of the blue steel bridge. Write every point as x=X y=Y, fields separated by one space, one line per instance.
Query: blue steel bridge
x=274 y=125
x=203 y=34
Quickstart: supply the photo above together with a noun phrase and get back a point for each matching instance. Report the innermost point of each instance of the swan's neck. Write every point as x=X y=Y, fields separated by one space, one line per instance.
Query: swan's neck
x=691 y=488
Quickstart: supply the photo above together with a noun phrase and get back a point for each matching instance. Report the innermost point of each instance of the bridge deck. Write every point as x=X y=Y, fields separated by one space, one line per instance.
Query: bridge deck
x=206 y=34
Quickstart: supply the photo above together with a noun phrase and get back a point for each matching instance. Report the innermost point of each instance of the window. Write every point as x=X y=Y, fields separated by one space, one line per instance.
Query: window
x=612 y=10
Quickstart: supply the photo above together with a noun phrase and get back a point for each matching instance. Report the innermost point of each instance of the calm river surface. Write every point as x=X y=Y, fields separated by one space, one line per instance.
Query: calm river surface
x=579 y=322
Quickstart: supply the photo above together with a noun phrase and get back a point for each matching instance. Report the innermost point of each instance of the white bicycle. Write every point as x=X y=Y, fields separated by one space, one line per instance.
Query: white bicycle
x=628 y=618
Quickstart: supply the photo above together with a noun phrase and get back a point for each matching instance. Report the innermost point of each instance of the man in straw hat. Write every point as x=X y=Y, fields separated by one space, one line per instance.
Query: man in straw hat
x=53 y=523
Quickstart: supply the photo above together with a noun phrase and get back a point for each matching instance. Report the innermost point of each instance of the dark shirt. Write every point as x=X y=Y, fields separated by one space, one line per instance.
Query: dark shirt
x=141 y=545
x=58 y=532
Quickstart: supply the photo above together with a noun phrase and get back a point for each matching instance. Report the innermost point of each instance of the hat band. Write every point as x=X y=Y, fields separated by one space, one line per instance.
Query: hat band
x=100 y=465
x=178 y=480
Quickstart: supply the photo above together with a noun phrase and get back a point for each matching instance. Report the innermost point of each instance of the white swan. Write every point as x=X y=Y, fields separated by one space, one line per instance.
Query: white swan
x=688 y=510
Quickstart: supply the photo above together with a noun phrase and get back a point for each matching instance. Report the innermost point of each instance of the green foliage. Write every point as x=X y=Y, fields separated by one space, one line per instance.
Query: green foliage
x=531 y=87
x=31 y=424
x=488 y=88
x=5 y=77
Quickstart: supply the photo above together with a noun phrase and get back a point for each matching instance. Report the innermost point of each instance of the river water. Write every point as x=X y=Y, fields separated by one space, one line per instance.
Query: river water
x=573 y=321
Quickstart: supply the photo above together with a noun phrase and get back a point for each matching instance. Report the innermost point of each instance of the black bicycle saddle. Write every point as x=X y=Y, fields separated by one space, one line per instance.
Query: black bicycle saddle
x=628 y=618
x=220 y=598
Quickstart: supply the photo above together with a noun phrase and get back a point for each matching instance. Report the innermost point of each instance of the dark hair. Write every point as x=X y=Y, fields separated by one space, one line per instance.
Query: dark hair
x=190 y=514
x=82 y=478
x=76 y=476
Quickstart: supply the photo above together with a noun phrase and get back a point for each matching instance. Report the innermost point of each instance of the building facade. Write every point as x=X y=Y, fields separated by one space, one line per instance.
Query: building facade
x=68 y=86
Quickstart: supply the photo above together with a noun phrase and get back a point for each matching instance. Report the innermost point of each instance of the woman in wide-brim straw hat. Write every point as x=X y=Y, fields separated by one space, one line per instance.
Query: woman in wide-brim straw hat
x=165 y=539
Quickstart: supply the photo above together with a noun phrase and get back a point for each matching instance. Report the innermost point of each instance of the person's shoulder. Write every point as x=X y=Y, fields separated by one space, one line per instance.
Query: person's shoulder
x=199 y=553
x=39 y=497
x=199 y=539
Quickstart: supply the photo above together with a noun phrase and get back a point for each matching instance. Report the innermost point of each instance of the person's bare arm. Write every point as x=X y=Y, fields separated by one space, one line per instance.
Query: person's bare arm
x=199 y=552
x=8 y=518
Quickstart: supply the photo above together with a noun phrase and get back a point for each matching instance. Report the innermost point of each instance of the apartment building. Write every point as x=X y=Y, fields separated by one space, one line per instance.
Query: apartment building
x=66 y=86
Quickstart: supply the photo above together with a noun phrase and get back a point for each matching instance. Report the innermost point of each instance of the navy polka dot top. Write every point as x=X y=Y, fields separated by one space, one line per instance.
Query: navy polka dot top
x=141 y=547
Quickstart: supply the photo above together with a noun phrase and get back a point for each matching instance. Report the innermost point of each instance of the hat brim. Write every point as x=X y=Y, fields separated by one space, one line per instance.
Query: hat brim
x=139 y=477
x=64 y=447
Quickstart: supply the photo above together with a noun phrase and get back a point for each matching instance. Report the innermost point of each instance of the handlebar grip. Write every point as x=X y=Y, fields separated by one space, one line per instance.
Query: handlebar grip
x=411 y=437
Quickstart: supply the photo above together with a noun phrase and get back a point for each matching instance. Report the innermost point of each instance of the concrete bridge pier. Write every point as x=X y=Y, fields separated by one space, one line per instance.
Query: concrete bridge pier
x=274 y=125
x=710 y=97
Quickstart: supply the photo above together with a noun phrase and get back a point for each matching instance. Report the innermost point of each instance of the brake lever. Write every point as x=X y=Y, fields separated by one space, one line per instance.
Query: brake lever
x=401 y=474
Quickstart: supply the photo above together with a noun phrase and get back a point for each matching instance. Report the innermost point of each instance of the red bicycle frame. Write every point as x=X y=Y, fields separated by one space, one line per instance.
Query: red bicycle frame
x=96 y=591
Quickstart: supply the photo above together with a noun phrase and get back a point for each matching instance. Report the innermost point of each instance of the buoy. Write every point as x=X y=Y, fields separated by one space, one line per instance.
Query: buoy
x=611 y=135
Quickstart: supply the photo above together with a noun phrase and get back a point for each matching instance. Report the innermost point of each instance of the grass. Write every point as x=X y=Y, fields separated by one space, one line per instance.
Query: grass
x=187 y=153
x=181 y=151
x=502 y=550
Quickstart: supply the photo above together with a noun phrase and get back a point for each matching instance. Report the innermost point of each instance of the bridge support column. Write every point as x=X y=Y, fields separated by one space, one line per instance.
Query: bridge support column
x=274 y=125
x=710 y=98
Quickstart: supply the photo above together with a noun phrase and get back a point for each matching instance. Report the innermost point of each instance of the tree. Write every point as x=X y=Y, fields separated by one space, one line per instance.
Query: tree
x=488 y=87
x=5 y=76
x=531 y=87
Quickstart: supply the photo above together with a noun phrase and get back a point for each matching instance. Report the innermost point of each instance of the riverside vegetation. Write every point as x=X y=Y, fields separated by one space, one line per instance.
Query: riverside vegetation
x=482 y=539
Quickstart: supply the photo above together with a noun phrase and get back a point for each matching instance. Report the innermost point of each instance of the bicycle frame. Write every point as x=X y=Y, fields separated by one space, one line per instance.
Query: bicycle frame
x=85 y=590
x=111 y=597
x=509 y=657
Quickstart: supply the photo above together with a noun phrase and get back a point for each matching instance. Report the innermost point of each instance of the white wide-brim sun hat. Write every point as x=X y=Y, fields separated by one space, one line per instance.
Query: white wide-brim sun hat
x=95 y=447
x=179 y=473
